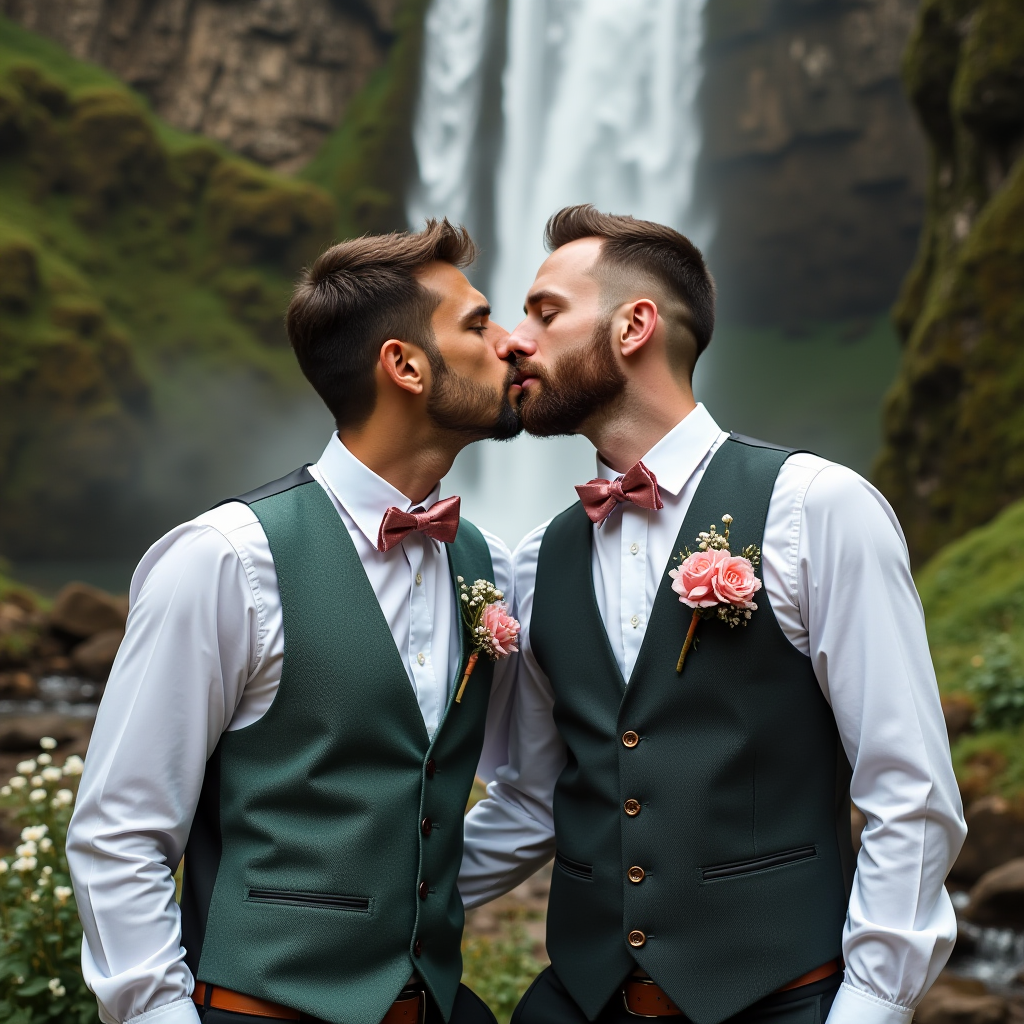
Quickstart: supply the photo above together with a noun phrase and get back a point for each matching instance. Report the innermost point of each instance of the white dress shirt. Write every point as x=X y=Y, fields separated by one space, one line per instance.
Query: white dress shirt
x=202 y=655
x=836 y=570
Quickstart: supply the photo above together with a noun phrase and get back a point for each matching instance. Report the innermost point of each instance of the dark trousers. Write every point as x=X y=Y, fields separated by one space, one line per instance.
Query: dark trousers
x=547 y=1002
x=469 y=1008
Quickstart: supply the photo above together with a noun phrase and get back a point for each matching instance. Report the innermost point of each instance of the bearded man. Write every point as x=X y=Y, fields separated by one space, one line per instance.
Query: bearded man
x=282 y=708
x=696 y=797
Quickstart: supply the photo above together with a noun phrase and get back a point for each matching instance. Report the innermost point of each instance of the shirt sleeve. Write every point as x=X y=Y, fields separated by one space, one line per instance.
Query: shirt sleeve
x=511 y=832
x=189 y=648
x=866 y=638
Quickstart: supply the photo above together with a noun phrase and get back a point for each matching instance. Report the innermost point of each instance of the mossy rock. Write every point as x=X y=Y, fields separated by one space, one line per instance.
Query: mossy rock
x=19 y=274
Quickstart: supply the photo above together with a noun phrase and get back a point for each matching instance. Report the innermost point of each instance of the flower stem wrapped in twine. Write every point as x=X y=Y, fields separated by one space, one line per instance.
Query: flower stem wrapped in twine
x=688 y=642
x=470 y=665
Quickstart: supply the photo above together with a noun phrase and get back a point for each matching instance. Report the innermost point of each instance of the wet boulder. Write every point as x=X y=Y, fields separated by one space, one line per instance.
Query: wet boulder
x=83 y=611
x=997 y=901
x=995 y=835
x=95 y=657
x=948 y=1005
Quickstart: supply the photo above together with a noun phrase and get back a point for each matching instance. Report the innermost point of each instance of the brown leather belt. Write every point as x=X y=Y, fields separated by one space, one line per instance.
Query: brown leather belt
x=409 y=1008
x=643 y=998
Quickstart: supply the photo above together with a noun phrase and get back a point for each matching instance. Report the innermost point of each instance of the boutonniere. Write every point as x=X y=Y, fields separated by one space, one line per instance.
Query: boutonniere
x=715 y=583
x=492 y=631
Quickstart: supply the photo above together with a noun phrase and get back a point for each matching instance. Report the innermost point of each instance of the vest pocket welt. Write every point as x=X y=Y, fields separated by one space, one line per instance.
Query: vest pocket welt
x=747 y=867
x=322 y=900
x=574 y=867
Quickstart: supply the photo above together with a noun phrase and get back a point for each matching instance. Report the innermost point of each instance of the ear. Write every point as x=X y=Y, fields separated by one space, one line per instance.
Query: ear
x=404 y=365
x=636 y=328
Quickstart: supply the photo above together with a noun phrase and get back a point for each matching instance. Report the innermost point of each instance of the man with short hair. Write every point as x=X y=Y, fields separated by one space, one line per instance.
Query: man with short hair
x=683 y=734
x=282 y=709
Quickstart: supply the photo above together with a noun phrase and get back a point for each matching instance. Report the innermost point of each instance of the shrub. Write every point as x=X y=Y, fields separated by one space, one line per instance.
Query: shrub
x=41 y=936
x=998 y=684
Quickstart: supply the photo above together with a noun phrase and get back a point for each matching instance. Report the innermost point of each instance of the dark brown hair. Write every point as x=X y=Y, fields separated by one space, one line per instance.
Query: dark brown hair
x=641 y=253
x=355 y=297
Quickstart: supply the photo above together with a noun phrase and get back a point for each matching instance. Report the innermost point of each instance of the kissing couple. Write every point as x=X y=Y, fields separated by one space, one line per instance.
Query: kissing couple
x=673 y=688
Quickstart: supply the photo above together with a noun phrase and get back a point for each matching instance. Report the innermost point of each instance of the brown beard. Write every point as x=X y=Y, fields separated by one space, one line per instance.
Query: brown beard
x=580 y=383
x=464 y=405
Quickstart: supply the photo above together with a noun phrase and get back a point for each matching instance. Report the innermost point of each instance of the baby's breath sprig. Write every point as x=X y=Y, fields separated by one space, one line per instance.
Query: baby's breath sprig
x=492 y=631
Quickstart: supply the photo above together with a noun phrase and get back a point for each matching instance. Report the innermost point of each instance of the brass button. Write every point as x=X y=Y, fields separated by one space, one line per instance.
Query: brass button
x=630 y=739
x=426 y=826
x=431 y=767
x=423 y=890
x=635 y=874
x=417 y=948
x=631 y=807
x=636 y=938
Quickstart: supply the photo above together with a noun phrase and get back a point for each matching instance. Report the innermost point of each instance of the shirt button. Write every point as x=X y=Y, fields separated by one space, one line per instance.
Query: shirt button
x=635 y=875
x=631 y=807
x=630 y=739
x=634 y=548
x=421 y=658
x=636 y=938
x=634 y=621
x=419 y=578
x=426 y=826
x=423 y=890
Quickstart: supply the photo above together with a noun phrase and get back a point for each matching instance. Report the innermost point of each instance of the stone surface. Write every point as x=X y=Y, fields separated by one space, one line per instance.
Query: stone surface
x=20 y=734
x=84 y=611
x=95 y=656
x=945 y=1005
x=997 y=900
x=812 y=161
x=958 y=710
x=995 y=835
x=268 y=78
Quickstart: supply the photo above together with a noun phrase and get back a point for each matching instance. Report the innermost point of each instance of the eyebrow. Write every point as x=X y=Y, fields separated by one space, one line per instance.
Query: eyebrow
x=536 y=297
x=476 y=314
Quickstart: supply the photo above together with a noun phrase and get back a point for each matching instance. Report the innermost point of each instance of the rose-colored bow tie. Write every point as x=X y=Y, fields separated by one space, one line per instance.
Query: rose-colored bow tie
x=639 y=485
x=440 y=521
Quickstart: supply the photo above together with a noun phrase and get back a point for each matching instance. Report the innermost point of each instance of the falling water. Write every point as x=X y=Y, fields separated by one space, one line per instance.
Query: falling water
x=598 y=105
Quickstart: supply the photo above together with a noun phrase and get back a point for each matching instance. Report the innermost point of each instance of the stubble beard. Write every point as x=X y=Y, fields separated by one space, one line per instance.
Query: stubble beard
x=466 y=406
x=582 y=382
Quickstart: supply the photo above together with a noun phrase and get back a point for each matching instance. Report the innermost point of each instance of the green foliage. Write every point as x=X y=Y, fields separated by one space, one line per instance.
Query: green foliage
x=128 y=252
x=954 y=420
x=998 y=684
x=990 y=762
x=41 y=938
x=500 y=969
x=366 y=162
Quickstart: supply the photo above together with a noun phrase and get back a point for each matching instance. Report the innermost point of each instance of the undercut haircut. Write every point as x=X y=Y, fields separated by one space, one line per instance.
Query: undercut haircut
x=355 y=297
x=639 y=256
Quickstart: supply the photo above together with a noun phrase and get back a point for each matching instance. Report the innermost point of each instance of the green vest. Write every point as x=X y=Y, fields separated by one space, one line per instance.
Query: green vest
x=321 y=867
x=743 y=833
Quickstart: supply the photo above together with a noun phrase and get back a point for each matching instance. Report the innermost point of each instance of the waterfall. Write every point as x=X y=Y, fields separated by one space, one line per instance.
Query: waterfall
x=598 y=105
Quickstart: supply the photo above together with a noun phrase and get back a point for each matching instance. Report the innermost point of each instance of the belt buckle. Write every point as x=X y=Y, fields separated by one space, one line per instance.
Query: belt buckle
x=625 y=999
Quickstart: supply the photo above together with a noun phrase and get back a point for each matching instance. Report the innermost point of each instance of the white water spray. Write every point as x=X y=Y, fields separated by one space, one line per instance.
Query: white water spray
x=599 y=105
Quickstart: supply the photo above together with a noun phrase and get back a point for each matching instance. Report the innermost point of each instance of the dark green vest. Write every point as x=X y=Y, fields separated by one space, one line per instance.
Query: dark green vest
x=312 y=877
x=743 y=834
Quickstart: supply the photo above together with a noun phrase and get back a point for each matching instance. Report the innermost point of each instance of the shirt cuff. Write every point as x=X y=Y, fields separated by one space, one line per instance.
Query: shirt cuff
x=181 y=1011
x=855 y=1006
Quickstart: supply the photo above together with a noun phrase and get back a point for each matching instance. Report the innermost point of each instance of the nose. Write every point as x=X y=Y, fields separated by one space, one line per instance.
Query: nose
x=517 y=343
x=500 y=337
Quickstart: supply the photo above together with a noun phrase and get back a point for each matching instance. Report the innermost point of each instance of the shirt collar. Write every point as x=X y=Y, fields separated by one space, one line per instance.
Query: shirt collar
x=675 y=457
x=364 y=495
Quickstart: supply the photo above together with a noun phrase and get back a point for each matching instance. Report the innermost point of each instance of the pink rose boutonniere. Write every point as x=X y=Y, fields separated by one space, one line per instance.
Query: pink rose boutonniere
x=492 y=630
x=715 y=583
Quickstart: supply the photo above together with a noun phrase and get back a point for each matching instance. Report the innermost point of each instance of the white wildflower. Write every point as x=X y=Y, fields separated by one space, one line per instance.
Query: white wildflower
x=52 y=774
x=6 y=791
x=44 y=881
x=73 y=765
x=45 y=845
x=56 y=988
x=48 y=743
x=43 y=758
x=47 y=871
x=33 y=833
x=63 y=798
x=62 y=893
x=28 y=849
x=37 y=796
x=25 y=864
x=36 y=780
x=34 y=898
x=26 y=767
x=4 y=867
x=18 y=782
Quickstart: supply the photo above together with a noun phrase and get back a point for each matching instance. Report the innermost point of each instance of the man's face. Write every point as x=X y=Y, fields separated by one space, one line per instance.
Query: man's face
x=472 y=388
x=564 y=360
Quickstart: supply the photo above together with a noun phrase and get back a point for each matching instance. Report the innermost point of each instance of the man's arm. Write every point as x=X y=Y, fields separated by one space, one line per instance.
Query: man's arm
x=510 y=833
x=192 y=635
x=866 y=637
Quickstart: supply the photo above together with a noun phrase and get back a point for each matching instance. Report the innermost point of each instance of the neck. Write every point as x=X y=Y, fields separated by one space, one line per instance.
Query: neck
x=411 y=456
x=624 y=432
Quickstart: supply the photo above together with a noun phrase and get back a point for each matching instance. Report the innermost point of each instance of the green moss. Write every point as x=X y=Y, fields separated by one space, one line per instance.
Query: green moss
x=365 y=164
x=954 y=419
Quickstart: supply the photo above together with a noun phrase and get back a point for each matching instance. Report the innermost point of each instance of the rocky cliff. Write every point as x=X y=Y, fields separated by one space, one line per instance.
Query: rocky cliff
x=270 y=79
x=954 y=421
x=813 y=167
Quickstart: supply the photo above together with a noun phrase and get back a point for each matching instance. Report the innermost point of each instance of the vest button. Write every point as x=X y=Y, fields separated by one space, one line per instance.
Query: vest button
x=630 y=739
x=631 y=807
x=426 y=826
x=431 y=767
x=635 y=874
x=636 y=938
x=423 y=890
x=417 y=948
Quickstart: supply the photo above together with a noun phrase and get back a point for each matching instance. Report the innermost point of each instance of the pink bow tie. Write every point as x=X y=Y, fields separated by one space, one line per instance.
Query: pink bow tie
x=639 y=485
x=440 y=521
